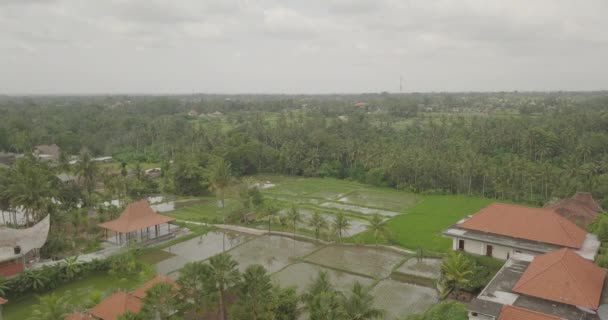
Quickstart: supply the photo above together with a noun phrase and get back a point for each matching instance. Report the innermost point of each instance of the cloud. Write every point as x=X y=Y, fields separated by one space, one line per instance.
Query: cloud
x=301 y=46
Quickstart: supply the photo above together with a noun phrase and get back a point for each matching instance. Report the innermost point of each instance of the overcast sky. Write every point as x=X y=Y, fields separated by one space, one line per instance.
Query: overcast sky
x=304 y=46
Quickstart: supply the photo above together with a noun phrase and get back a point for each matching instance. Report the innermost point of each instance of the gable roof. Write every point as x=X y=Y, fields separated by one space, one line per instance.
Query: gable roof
x=49 y=149
x=535 y=224
x=116 y=305
x=563 y=276
x=141 y=291
x=514 y=313
x=580 y=208
x=138 y=215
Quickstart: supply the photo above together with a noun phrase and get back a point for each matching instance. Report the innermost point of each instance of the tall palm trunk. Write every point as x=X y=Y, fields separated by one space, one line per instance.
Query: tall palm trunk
x=222 y=304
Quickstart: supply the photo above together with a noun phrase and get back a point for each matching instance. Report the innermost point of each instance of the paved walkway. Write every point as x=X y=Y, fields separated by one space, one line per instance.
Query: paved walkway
x=109 y=250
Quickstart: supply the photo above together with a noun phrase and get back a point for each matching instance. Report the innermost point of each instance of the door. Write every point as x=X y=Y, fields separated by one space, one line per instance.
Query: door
x=461 y=245
x=489 y=249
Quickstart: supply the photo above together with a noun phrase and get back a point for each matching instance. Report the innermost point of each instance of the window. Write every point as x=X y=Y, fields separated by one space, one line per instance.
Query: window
x=489 y=250
x=461 y=245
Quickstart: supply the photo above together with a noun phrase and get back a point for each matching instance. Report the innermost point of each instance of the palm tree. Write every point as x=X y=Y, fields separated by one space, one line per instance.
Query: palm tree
x=378 y=227
x=160 y=302
x=456 y=272
x=220 y=176
x=294 y=216
x=196 y=284
x=87 y=171
x=30 y=187
x=71 y=267
x=35 y=278
x=340 y=224
x=224 y=274
x=256 y=296
x=360 y=304
x=318 y=223
x=50 y=307
x=271 y=213
x=320 y=284
x=3 y=287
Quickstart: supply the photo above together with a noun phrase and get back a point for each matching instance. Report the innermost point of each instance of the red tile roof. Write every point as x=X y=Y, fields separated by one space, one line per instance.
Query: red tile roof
x=580 y=208
x=3 y=301
x=563 y=276
x=141 y=291
x=137 y=216
x=116 y=305
x=535 y=224
x=514 y=313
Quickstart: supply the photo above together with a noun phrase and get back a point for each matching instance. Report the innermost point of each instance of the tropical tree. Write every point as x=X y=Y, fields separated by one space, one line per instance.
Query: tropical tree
x=319 y=284
x=294 y=217
x=71 y=267
x=286 y=304
x=255 y=295
x=3 y=287
x=219 y=177
x=317 y=223
x=270 y=212
x=224 y=274
x=36 y=279
x=359 y=305
x=456 y=272
x=377 y=226
x=196 y=286
x=160 y=302
x=327 y=305
x=87 y=171
x=50 y=307
x=340 y=224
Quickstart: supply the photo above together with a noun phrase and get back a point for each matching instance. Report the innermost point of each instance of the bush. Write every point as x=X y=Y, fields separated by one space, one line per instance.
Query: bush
x=484 y=269
x=446 y=310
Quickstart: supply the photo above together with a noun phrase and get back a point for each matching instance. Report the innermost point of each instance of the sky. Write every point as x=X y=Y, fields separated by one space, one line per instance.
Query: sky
x=303 y=46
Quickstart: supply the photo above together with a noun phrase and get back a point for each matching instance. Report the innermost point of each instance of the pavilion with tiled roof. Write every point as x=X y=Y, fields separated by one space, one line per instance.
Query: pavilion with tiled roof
x=135 y=223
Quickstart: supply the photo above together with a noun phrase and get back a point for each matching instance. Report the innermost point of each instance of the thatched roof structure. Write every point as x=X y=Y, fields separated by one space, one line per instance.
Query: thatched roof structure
x=27 y=239
x=581 y=208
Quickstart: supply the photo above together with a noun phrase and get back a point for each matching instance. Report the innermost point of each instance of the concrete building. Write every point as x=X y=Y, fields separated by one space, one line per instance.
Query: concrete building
x=502 y=230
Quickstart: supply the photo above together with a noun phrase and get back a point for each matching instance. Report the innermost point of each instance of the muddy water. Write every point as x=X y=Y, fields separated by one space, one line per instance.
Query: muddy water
x=356 y=226
x=199 y=248
x=427 y=268
x=272 y=252
x=372 y=262
x=302 y=274
x=400 y=299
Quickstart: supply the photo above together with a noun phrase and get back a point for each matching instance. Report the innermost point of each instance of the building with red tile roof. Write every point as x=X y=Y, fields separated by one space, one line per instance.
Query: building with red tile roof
x=565 y=277
x=515 y=313
x=501 y=230
x=581 y=208
x=557 y=285
x=112 y=307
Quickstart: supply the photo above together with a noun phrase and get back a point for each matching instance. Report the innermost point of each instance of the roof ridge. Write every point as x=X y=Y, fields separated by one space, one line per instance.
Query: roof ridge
x=540 y=272
x=576 y=282
x=560 y=221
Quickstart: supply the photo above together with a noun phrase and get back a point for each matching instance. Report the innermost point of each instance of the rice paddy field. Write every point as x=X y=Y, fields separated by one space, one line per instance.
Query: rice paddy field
x=415 y=221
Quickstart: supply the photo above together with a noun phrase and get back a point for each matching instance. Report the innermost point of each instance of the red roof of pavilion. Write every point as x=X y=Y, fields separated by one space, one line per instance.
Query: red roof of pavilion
x=116 y=305
x=137 y=216
x=141 y=291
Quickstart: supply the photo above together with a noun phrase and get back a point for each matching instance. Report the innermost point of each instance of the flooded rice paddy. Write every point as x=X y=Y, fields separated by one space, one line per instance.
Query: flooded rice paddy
x=399 y=299
x=302 y=274
x=426 y=268
x=297 y=263
x=373 y=262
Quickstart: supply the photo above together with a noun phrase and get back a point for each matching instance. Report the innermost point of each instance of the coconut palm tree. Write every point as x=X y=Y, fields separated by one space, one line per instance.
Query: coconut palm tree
x=294 y=216
x=340 y=224
x=196 y=284
x=377 y=226
x=160 y=302
x=256 y=298
x=219 y=177
x=317 y=223
x=50 y=307
x=456 y=272
x=30 y=187
x=359 y=305
x=87 y=171
x=224 y=274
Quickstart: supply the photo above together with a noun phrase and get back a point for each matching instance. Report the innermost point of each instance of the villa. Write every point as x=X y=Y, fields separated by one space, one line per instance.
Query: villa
x=560 y=285
x=501 y=230
x=120 y=303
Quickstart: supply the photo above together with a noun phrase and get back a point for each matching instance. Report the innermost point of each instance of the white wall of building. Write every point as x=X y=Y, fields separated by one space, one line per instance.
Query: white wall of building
x=479 y=248
x=473 y=316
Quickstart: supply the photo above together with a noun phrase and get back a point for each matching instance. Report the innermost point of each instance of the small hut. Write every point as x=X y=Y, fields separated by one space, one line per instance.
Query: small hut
x=135 y=222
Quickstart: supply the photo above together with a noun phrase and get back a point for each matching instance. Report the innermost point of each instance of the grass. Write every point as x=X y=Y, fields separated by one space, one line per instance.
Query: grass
x=422 y=224
x=78 y=293
x=206 y=211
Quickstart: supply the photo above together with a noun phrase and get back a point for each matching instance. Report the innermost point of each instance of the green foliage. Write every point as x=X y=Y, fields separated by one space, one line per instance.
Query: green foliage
x=448 y=310
x=359 y=305
x=50 y=307
x=160 y=302
x=457 y=272
x=255 y=299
